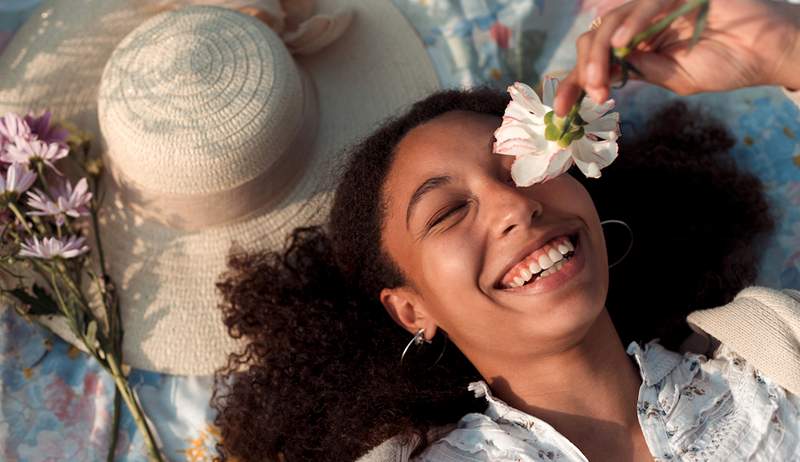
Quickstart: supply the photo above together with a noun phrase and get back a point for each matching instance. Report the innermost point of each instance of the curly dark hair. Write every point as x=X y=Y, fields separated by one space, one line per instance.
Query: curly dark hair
x=320 y=379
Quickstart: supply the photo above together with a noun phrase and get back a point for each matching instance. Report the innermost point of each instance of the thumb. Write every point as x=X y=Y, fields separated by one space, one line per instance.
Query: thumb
x=660 y=70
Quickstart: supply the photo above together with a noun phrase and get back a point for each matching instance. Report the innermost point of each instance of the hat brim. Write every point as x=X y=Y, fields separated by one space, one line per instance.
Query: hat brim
x=167 y=277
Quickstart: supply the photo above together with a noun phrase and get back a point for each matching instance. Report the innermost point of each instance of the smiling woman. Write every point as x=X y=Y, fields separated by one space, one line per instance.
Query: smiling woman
x=428 y=233
x=430 y=240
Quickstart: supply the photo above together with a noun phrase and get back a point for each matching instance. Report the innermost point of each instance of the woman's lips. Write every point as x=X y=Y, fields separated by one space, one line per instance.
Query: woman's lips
x=539 y=261
x=570 y=269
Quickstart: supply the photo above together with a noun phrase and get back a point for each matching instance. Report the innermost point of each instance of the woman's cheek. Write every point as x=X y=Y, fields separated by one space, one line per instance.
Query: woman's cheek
x=450 y=267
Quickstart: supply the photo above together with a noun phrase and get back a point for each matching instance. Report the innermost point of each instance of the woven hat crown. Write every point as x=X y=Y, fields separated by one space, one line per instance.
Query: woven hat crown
x=199 y=101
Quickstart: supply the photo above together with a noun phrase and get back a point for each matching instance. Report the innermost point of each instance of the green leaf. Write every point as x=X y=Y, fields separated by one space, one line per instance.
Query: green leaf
x=702 y=19
x=37 y=304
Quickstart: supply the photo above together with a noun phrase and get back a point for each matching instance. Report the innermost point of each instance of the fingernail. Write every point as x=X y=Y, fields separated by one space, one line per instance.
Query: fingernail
x=619 y=39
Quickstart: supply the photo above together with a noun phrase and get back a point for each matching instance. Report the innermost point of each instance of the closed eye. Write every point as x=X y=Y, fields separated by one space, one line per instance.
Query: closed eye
x=444 y=214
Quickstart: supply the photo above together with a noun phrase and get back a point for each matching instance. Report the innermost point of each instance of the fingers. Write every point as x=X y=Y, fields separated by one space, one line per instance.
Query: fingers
x=569 y=89
x=567 y=93
x=597 y=59
x=637 y=20
x=592 y=69
x=663 y=71
x=592 y=62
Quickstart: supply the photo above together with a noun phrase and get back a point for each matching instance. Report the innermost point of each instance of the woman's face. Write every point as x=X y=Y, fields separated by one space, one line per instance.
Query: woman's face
x=466 y=237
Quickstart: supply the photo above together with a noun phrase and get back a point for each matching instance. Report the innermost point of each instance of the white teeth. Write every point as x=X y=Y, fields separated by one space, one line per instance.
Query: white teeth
x=545 y=261
x=518 y=281
x=563 y=249
x=547 y=272
x=554 y=255
x=526 y=275
x=534 y=267
x=569 y=245
x=558 y=265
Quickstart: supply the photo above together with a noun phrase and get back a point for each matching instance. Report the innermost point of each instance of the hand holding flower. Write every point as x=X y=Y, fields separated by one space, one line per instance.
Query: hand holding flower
x=742 y=43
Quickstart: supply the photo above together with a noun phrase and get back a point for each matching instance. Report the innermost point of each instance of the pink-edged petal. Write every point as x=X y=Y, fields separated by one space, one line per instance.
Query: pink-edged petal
x=591 y=111
x=519 y=147
x=606 y=127
x=527 y=98
x=549 y=86
x=591 y=157
x=516 y=112
x=517 y=130
x=529 y=170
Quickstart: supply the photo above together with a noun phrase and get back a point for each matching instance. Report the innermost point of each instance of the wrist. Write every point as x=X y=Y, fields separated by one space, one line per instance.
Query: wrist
x=786 y=70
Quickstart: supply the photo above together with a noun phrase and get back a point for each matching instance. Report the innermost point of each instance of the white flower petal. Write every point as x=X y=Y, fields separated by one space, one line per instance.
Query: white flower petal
x=516 y=112
x=606 y=127
x=519 y=147
x=590 y=156
x=527 y=98
x=510 y=130
x=549 y=87
x=591 y=111
x=529 y=170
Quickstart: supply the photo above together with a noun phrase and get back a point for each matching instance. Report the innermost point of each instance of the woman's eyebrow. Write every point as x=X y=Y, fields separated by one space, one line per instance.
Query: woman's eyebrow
x=427 y=186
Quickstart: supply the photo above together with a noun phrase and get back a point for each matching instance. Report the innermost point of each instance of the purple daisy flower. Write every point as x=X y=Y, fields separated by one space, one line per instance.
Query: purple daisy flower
x=52 y=247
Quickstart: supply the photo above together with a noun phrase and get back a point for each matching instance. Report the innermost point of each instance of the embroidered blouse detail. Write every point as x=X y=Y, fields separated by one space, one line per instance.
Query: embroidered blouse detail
x=690 y=409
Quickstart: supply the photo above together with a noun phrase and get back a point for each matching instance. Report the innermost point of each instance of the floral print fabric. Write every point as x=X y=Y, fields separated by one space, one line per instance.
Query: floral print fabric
x=56 y=404
x=690 y=409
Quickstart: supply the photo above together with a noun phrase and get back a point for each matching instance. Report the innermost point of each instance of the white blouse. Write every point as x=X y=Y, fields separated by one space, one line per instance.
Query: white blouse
x=690 y=409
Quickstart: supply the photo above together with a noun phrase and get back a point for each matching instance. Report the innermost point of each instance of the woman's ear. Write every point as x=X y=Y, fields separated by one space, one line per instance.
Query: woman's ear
x=405 y=306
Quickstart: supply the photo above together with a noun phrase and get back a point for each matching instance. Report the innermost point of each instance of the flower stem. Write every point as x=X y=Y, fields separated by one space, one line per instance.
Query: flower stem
x=572 y=114
x=13 y=207
x=113 y=314
x=658 y=27
x=42 y=179
x=112 y=447
x=136 y=412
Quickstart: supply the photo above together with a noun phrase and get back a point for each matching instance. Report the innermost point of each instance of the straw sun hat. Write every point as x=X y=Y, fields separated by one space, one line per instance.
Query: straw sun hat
x=215 y=129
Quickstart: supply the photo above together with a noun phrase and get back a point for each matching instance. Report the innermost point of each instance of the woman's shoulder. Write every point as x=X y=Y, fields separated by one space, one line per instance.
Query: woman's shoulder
x=743 y=384
x=718 y=407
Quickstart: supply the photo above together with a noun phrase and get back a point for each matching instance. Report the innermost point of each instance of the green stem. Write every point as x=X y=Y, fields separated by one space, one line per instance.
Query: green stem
x=572 y=114
x=136 y=411
x=41 y=177
x=112 y=366
x=659 y=26
x=13 y=207
x=112 y=447
x=113 y=314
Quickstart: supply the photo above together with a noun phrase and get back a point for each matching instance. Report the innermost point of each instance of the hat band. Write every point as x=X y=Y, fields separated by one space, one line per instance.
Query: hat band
x=192 y=212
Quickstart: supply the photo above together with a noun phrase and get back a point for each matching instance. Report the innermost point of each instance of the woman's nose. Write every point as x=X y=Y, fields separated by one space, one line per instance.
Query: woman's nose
x=511 y=210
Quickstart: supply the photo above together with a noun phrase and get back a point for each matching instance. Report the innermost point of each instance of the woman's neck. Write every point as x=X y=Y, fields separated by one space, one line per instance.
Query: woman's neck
x=587 y=392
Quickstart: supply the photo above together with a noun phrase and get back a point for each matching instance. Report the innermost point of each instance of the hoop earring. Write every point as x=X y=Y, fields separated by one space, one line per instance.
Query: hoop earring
x=630 y=245
x=417 y=341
